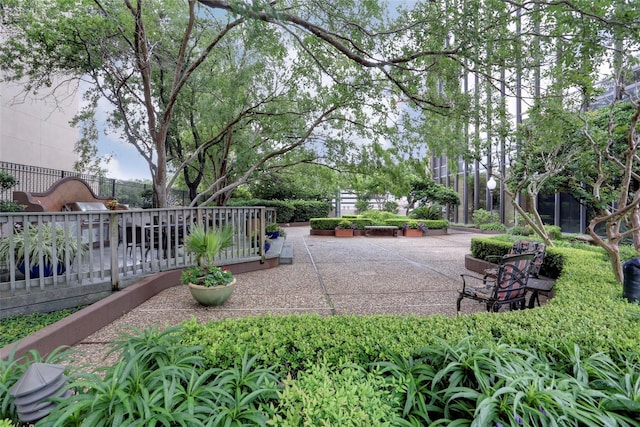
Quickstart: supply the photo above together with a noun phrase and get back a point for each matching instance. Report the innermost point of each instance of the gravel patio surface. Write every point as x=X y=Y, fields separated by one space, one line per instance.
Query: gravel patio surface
x=328 y=276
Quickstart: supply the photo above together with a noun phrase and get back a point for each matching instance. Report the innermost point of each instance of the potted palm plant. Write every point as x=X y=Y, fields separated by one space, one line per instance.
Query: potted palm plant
x=43 y=240
x=209 y=284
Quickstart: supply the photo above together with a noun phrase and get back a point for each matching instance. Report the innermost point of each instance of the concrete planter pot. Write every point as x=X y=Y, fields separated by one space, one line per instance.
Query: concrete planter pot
x=412 y=232
x=213 y=295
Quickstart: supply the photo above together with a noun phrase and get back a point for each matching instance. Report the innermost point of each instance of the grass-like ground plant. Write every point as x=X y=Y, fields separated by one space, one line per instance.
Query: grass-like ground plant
x=468 y=384
x=159 y=381
x=14 y=328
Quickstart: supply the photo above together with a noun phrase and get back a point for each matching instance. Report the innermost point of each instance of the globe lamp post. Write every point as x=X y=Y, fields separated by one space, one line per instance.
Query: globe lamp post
x=491 y=185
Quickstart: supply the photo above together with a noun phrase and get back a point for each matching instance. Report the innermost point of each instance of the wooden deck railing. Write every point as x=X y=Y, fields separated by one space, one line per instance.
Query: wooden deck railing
x=120 y=247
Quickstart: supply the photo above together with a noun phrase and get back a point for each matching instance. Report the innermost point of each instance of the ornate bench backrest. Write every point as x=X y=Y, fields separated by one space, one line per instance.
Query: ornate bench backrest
x=513 y=274
x=537 y=248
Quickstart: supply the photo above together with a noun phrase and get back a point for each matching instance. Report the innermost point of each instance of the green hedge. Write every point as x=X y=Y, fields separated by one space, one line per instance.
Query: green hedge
x=291 y=210
x=431 y=224
x=304 y=210
x=487 y=247
x=331 y=223
x=284 y=210
x=588 y=310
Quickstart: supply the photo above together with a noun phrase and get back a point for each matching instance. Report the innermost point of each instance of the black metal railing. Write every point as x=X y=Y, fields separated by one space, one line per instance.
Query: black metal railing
x=133 y=193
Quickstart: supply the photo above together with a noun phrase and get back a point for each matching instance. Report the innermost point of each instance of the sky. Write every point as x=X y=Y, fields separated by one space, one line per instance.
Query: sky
x=126 y=163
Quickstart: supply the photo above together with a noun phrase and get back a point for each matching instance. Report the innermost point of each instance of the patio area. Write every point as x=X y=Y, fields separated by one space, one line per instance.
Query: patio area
x=328 y=276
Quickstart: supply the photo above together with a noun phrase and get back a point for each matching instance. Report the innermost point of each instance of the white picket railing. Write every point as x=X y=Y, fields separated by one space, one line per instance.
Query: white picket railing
x=121 y=246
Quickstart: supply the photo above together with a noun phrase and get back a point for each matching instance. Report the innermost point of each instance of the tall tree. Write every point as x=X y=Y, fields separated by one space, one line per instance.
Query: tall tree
x=151 y=61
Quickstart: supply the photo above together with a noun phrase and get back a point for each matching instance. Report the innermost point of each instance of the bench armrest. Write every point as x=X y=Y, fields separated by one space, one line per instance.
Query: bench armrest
x=471 y=278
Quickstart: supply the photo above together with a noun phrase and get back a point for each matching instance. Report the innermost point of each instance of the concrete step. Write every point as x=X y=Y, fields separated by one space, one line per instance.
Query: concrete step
x=286 y=255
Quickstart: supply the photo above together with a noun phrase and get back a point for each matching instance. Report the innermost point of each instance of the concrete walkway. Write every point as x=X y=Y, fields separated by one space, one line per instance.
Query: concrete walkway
x=328 y=276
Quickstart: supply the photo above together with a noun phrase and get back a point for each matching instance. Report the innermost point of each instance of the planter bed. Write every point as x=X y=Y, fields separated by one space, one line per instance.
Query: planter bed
x=381 y=230
x=322 y=232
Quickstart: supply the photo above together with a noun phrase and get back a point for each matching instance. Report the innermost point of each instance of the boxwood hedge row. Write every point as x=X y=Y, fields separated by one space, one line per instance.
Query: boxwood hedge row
x=289 y=210
x=487 y=247
x=571 y=362
x=360 y=222
x=587 y=310
x=431 y=224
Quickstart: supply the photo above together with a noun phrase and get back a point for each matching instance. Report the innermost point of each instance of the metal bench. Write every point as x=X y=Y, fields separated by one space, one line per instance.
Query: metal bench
x=381 y=230
x=537 y=286
x=509 y=287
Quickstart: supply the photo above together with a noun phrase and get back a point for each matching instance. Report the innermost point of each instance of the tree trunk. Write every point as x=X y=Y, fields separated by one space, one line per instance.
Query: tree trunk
x=635 y=224
x=611 y=245
x=616 y=263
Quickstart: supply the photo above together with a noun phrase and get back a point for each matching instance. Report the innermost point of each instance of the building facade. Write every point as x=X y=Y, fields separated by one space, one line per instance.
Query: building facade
x=35 y=130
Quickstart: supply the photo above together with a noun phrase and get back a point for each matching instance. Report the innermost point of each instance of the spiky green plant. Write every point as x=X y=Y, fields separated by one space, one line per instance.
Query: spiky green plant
x=207 y=244
x=159 y=381
x=47 y=240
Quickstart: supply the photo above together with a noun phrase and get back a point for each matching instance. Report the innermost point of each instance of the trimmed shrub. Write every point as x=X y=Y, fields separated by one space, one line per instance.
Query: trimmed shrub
x=332 y=223
x=588 y=305
x=284 y=210
x=487 y=247
x=554 y=232
x=481 y=216
x=520 y=230
x=430 y=224
x=492 y=226
x=360 y=221
x=289 y=211
x=304 y=210
x=324 y=223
